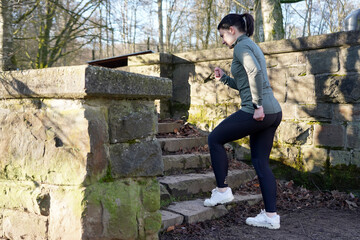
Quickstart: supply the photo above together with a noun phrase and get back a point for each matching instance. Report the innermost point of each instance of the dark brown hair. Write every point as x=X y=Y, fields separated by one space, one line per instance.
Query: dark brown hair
x=243 y=22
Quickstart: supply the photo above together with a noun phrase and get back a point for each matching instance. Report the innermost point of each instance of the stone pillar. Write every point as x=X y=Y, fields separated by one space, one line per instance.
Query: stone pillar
x=7 y=58
x=79 y=154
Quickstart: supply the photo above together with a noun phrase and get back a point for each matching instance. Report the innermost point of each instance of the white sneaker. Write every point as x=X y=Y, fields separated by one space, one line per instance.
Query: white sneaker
x=262 y=220
x=219 y=197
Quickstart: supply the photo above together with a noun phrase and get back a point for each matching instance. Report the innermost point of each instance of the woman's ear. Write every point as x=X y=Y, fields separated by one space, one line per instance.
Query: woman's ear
x=232 y=30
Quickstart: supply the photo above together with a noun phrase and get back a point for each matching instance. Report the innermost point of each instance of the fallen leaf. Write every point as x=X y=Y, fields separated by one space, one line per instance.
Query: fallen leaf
x=171 y=228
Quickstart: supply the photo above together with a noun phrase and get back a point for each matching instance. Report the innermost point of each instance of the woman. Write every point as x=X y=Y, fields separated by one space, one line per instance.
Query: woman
x=259 y=117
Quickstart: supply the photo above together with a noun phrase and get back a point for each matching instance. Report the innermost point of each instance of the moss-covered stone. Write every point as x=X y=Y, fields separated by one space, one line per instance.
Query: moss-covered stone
x=151 y=196
x=126 y=204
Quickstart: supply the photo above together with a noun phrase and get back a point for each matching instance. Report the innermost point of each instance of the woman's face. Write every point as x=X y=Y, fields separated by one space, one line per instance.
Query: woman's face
x=228 y=36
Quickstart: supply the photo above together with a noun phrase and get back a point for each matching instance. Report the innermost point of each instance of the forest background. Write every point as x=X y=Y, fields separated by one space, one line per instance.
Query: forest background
x=48 y=33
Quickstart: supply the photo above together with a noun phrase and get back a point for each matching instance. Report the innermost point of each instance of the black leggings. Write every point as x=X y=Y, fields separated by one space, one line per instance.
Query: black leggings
x=239 y=125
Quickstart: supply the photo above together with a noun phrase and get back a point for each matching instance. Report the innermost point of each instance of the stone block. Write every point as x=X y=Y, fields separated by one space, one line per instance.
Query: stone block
x=66 y=209
x=338 y=88
x=356 y=159
x=98 y=131
x=147 y=59
x=168 y=127
x=293 y=59
x=347 y=112
x=301 y=90
x=287 y=155
x=182 y=77
x=23 y=225
x=170 y=219
x=277 y=78
x=350 y=58
x=295 y=133
x=125 y=118
x=47 y=143
x=138 y=158
x=313 y=42
x=353 y=136
x=340 y=157
x=329 y=135
x=176 y=144
x=314 y=158
x=194 y=211
x=25 y=196
x=288 y=111
x=323 y=61
x=81 y=81
x=107 y=204
x=318 y=112
x=175 y=163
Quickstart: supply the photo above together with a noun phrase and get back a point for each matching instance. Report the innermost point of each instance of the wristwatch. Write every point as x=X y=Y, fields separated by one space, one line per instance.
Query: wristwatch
x=256 y=106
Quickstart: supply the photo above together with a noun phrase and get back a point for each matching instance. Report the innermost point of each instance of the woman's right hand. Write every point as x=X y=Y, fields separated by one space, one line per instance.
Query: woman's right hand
x=218 y=73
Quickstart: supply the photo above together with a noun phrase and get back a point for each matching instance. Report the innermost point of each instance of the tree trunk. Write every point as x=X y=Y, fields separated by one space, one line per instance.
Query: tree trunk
x=7 y=57
x=161 y=28
x=272 y=20
x=259 y=29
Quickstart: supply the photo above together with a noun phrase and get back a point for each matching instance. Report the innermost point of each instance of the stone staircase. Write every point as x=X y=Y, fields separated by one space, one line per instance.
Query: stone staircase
x=188 y=178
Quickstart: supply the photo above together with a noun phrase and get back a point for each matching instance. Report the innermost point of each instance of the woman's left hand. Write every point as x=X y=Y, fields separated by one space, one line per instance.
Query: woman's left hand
x=259 y=114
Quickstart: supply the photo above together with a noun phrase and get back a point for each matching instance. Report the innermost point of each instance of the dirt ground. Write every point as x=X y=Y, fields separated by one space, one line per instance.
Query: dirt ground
x=319 y=224
x=304 y=215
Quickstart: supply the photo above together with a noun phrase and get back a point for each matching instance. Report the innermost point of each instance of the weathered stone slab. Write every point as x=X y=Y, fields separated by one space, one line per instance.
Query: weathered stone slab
x=45 y=143
x=81 y=81
x=24 y=196
x=188 y=184
x=66 y=208
x=288 y=111
x=340 y=157
x=22 y=225
x=250 y=199
x=170 y=219
x=338 y=88
x=126 y=117
x=323 y=61
x=347 y=112
x=350 y=58
x=175 y=144
x=353 y=136
x=168 y=127
x=318 y=112
x=194 y=211
x=138 y=158
x=331 y=135
x=313 y=42
x=295 y=133
x=356 y=159
x=301 y=89
x=287 y=155
x=314 y=159
x=124 y=209
x=186 y=161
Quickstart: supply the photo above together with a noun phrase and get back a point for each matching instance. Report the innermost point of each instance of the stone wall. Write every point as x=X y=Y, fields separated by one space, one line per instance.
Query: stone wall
x=316 y=80
x=74 y=162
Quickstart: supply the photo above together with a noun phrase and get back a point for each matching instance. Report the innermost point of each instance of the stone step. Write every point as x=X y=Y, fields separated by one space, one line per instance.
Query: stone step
x=168 y=127
x=176 y=144
x=184 y=162
x=194 y=211
x=196 y=183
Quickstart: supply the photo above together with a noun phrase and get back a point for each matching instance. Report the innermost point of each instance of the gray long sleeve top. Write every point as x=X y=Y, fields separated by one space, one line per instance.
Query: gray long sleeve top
x=250 y=77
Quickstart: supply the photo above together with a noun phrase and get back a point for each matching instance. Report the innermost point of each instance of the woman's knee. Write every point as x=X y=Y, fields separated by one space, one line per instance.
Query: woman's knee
x=213 y=139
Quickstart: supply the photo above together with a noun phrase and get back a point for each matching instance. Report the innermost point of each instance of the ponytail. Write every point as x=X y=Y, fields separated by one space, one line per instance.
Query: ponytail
x=244 y=23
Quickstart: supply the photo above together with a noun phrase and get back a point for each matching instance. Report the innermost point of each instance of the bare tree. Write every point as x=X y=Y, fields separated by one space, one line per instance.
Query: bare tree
x=161 y=28
x=7 y=58
x=272 y=20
